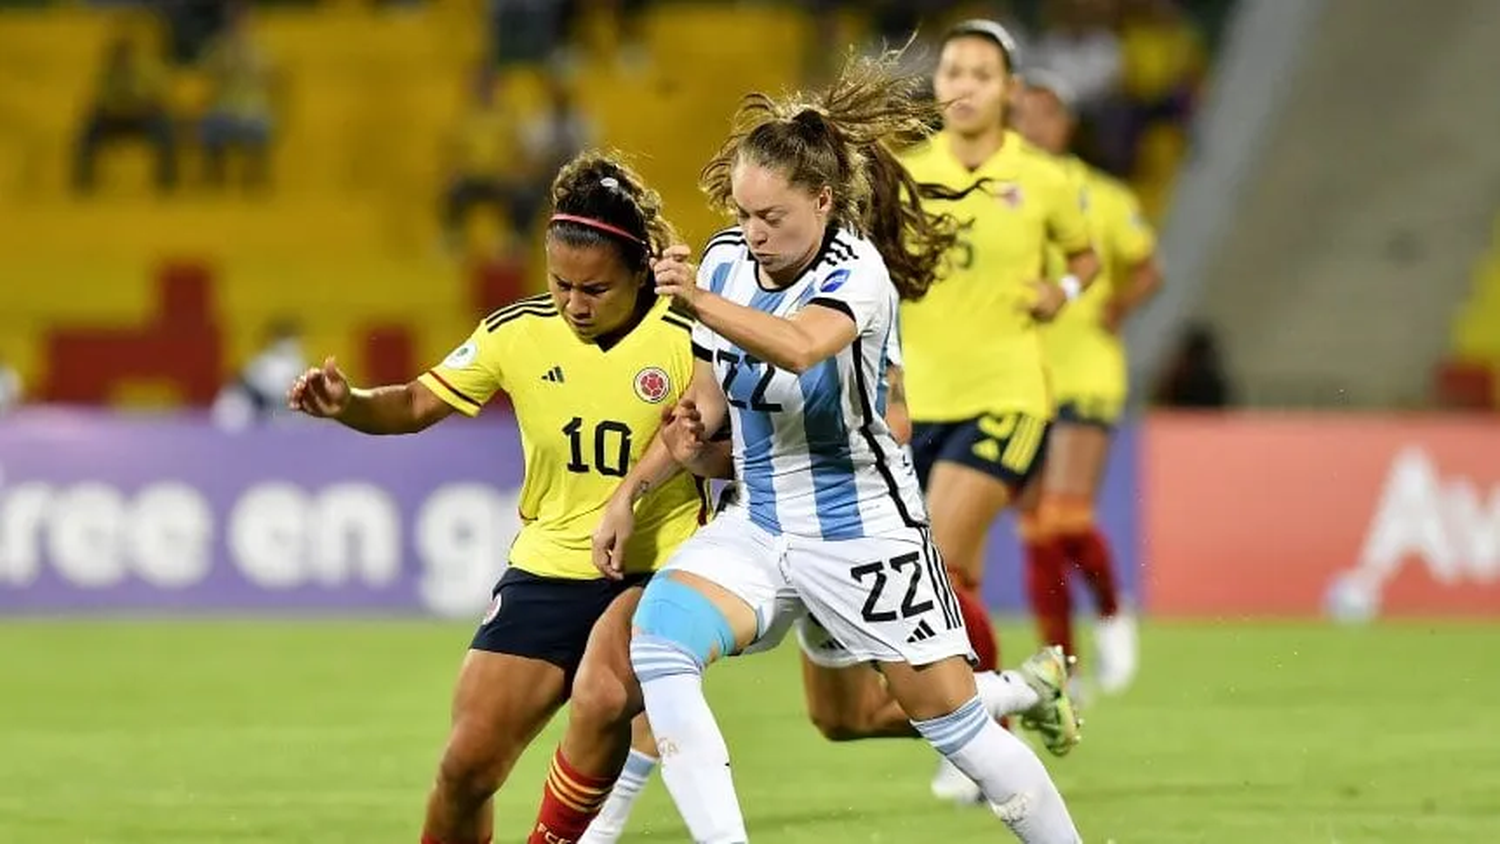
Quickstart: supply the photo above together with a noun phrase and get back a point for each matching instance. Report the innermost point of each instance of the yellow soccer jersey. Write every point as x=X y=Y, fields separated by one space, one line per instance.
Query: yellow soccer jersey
x=971 y=347
x=586 y=415
x=1087 y=361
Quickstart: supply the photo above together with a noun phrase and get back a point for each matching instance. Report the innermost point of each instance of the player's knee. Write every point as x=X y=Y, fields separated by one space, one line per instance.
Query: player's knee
x=1065 y=515
x=1035 y=525
x=601 y=701
x=677 y=627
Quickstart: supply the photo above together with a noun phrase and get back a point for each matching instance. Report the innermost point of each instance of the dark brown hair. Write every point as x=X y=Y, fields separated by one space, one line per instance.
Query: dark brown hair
x=599 y=186
x=843 y=138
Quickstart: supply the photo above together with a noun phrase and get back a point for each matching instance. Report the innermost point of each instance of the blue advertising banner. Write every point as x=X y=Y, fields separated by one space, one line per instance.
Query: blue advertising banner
x=100 y=512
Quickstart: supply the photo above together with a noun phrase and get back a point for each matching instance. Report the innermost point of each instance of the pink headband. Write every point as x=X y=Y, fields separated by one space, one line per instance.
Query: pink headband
x=600 y=225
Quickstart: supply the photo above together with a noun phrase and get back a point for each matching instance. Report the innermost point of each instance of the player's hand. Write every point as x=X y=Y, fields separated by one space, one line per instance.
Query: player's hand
x=614 y=530
x=321 y=391
x=1048 y=300
x=683 y=431
x=676 y=276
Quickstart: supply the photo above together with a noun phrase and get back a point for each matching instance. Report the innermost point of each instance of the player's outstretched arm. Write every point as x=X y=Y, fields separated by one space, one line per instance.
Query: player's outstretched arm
x=325 y=392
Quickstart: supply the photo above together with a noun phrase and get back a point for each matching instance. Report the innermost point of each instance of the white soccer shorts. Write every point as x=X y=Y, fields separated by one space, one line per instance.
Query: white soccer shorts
x=886 y=598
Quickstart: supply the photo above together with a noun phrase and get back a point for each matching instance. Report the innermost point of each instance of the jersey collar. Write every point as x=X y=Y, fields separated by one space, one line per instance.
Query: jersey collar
x=1000 y=164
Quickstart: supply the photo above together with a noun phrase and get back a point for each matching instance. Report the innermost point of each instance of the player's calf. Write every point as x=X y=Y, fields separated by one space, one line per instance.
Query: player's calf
x=473 y=766
x=948 y=713
x=605 y=697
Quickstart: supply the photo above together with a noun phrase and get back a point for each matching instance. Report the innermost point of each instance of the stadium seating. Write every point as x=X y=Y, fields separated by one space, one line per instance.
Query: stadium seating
x=346 y=240
x=1469 y=377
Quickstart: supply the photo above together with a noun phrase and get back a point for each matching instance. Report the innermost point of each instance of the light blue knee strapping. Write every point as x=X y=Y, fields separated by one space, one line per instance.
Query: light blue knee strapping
x=677 y=613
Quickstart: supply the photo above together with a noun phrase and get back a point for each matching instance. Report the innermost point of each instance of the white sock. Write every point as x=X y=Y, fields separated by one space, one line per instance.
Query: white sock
x=1005 y=692
x=1012 y=778
x=610 y=823
x=694 y=757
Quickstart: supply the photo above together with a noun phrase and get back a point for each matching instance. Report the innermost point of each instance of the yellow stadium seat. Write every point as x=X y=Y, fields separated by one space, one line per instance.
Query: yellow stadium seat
x=1476 y=328
x=347 y=236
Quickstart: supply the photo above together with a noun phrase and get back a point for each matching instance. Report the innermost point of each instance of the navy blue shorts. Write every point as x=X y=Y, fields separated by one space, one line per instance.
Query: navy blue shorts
x=1009 y=446
x=1094 y=414
x=547 y=618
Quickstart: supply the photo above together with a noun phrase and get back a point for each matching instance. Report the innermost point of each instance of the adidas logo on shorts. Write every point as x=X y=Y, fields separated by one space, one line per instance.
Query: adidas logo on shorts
x=923 y=632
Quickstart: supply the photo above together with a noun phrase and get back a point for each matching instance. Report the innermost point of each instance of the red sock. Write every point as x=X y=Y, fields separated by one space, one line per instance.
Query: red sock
x=1090 y=552
x=570 y=801
x=981 y=631
x=1047 y=585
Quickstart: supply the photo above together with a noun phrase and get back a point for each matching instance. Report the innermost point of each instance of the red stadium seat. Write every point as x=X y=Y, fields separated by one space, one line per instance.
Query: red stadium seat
x=1465 y=385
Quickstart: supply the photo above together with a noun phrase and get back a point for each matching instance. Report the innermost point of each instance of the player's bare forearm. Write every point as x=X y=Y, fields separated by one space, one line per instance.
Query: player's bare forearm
x=395 y=409
x=1084 y=266
x=656 y=467
x=1144 y=280
x=715 y=460
x=793 y=345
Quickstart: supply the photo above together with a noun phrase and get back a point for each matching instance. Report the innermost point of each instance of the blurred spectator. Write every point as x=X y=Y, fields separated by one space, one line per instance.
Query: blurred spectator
x=1197 y=378
x=258 y=394
x=1165 y=61
x=1079 y=46
x=506 y=161
x=891 y=24
x=129 y=103
x=526 y=31
x=551 y=138
x=190 y=27
x=239 y=115
x=10 y=388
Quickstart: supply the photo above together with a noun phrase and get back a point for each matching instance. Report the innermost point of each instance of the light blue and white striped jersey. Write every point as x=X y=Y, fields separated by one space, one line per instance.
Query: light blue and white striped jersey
x=812 y=453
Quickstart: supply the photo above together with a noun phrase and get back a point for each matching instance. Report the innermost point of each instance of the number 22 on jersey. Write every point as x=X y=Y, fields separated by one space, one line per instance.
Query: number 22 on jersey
x=746 y=379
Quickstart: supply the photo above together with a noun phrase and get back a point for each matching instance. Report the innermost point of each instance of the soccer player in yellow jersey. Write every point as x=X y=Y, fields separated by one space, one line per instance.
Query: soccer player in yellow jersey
x=590 y=367
x=976 y=383
x=1087 y=362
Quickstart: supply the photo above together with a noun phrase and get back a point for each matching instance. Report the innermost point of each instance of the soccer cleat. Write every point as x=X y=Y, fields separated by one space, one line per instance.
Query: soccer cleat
x=1115 y=652
x=1055 y=719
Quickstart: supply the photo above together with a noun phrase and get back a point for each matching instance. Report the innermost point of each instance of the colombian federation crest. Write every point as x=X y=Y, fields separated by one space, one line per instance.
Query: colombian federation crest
x=652 y=384
x=493 y=611
x=1008 y=194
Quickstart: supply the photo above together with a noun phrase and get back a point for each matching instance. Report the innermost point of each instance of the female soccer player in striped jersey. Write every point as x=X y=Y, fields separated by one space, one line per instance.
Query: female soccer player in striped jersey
x=794 y=309
x=846 y=698
x=590 y=367
x=1087 y=362
x=976 y=380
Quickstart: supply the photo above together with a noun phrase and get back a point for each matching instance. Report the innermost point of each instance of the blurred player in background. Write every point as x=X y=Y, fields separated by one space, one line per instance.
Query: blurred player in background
x=1087 y=364
x=590 y=367
x=10 y=388
x=258 y=393
x=976 y=381
x=794 y=307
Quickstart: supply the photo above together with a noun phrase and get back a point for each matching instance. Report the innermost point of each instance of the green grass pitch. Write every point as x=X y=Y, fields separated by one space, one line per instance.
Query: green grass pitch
x=290 y=732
